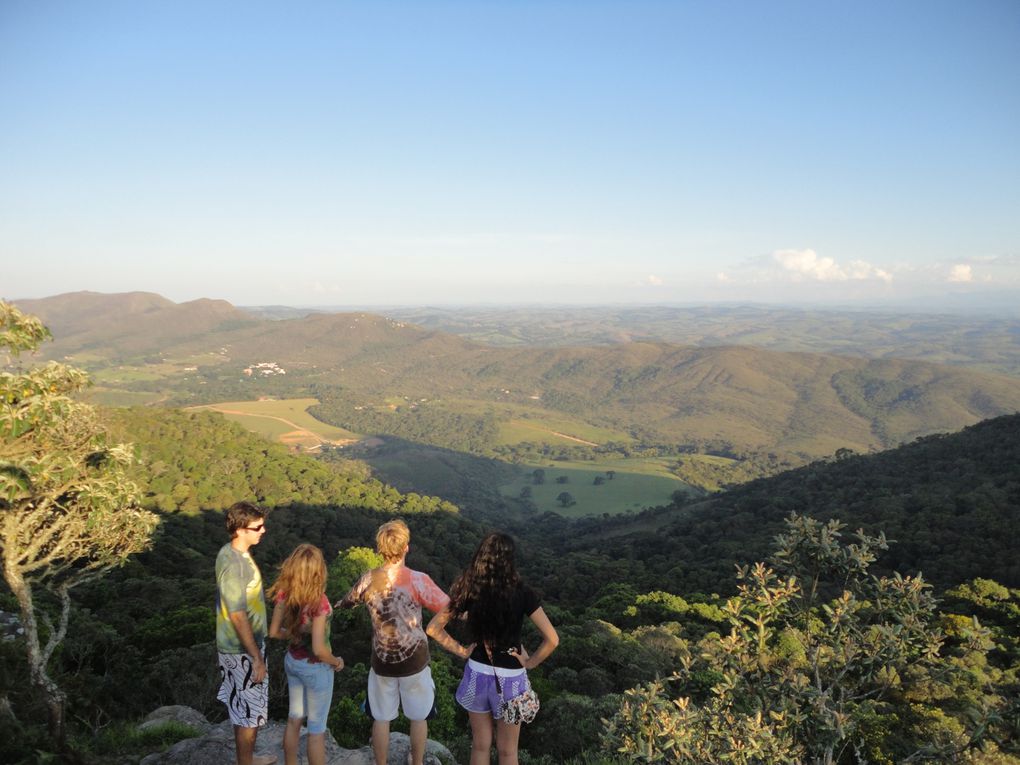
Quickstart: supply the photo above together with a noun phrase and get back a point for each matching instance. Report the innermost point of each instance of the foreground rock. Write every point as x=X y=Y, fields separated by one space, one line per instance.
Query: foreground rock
x=177 y=714
x=216 y=746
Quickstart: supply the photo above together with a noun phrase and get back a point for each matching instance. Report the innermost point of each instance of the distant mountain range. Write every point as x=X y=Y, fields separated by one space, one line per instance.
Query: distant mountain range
x=798 y=405
x=987 y=343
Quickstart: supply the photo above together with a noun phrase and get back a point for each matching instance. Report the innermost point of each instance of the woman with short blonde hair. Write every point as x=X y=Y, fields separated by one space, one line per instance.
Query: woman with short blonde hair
x=392 y=539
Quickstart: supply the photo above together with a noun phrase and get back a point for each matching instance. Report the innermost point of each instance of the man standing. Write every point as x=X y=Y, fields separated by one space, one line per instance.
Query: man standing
x=241 y=631
x=400 y=674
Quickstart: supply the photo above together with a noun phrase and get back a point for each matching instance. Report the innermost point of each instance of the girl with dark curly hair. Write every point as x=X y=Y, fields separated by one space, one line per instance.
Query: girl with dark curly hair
x=492 y=601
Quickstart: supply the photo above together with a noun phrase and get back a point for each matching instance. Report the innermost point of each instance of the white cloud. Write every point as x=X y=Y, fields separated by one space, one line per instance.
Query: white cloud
x=961 y=274
x=722 y=276
x=805 y=265
x=653 y=281
x=862 y=270
x=319 y=288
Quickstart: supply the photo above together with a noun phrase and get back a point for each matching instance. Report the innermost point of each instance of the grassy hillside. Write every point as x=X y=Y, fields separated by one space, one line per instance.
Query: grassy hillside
x=716 y=399
x=193 y=461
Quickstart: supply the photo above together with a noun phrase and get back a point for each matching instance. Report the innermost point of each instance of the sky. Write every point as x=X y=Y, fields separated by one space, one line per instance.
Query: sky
x=446 y=153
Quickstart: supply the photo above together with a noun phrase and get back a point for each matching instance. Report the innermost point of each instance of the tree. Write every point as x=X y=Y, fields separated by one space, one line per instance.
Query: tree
x=67 y=511
x=599 y=480
x=566 y=499
x=538 y=476
x=562 y=479
x=824 y=661
x=342 y=573
x=348 y=567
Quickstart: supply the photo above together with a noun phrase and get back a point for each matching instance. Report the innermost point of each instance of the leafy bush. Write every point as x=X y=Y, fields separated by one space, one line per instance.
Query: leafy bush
x=823 y=661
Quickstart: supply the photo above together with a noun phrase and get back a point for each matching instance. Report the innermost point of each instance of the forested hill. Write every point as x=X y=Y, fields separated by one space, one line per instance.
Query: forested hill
x=192 y=461
x=950 y=502
x=112 y=326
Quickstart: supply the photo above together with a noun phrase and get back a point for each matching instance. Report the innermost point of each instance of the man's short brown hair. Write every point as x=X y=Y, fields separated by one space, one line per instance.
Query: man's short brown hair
x=240 y=514
x=391 y=540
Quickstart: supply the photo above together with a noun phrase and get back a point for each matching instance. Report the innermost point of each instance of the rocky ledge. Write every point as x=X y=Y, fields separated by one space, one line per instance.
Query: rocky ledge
x=216 y=745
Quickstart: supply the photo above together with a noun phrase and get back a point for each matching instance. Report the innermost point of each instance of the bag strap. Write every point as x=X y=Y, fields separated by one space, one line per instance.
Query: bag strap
x=495 y=674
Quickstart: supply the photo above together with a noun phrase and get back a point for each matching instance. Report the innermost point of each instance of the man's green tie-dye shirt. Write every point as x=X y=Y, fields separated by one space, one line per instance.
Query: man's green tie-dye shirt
x=239 y=586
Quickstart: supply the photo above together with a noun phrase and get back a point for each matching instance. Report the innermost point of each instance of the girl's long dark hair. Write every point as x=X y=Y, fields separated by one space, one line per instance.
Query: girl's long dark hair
x=486 y=589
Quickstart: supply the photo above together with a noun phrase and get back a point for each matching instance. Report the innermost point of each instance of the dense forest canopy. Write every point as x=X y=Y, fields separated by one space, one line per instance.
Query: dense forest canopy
x=622 y=621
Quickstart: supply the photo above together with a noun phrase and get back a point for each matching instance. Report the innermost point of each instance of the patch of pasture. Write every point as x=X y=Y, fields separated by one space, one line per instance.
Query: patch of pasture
x=635 y=485
x=520 y=423
x=124 y=374
x=556 y=429
x=166 y=369
x=283 y=420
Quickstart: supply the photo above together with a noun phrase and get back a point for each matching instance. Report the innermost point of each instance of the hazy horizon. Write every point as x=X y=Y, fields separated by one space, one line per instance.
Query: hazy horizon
x=1000 y=305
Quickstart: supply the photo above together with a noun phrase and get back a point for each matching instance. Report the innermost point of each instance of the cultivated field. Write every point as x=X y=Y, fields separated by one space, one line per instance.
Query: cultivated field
x=635 y=485
x=283 y=420
x=519 y=423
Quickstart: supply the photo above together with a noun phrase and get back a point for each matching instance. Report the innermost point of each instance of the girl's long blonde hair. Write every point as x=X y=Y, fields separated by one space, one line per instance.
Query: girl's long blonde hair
x=302 y=581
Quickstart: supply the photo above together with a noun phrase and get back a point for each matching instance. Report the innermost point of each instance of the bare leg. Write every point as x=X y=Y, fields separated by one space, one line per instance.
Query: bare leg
x=316 y=749
x=381 y=740
x=244 y=740
x=507 y=736
x=291 y=740
x=419 y=735
x=481 y=737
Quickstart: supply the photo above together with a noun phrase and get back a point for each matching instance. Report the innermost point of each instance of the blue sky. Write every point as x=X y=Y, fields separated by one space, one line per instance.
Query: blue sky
x=384 y=153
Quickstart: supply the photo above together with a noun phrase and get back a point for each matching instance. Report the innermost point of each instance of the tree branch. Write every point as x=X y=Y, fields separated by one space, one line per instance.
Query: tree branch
x=57 y=636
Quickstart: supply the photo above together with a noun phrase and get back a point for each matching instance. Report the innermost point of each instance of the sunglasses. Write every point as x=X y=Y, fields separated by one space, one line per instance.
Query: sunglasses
x=256 y=529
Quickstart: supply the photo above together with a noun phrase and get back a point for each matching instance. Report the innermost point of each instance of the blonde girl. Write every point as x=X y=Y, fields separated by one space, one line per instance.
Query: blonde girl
x=302 y=616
